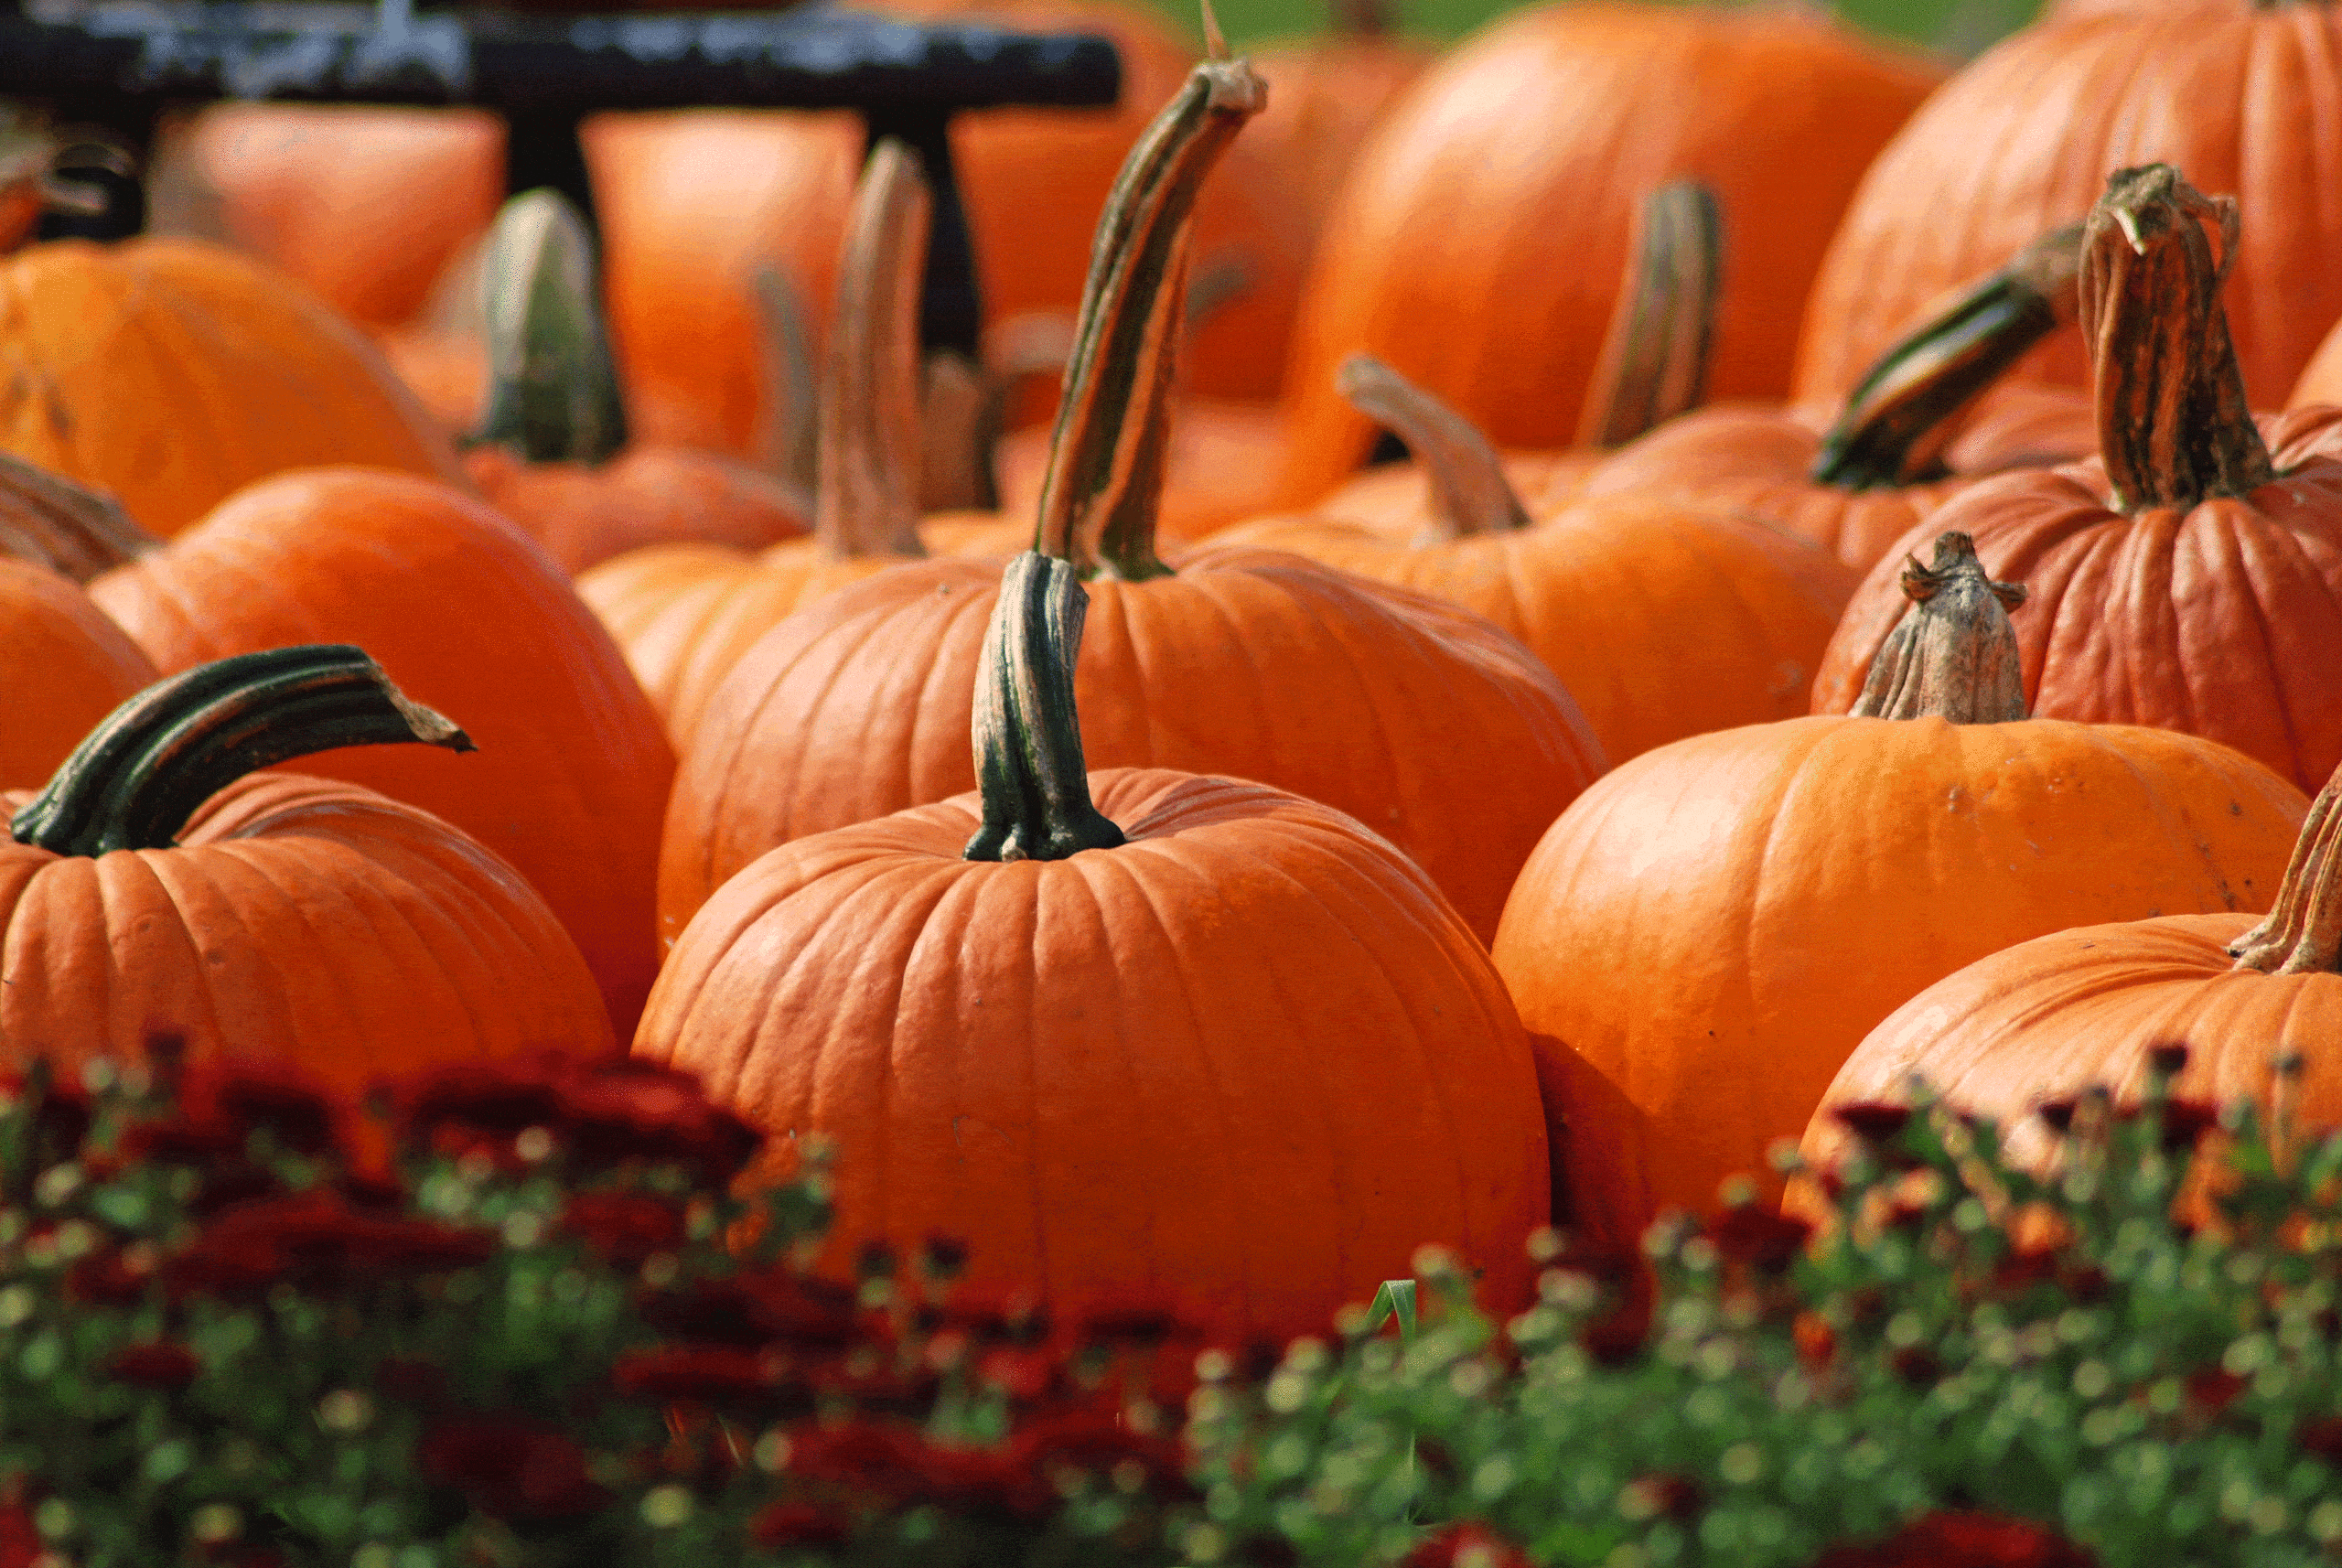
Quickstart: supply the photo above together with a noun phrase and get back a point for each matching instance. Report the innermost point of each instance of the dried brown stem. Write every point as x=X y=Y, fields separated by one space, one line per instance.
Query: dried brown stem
x=51 y=522
x=1098 y=496
x=867 y=496
x=2173 y=422
x=2302 y=934
x=1953 y=655
x=1469 y=491
x=1654 y=360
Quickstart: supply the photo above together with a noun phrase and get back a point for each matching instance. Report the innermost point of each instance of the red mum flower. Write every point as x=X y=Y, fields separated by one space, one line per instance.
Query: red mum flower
x=1946 y=1540
x=111 y=1278
x=1139 y=1319
x=709 y=1374
x=315 y=1238
x=784 y=1525
x=766 y=1306
x=2213 y=1388
x=1759 y=1237
x=156 y=1364
x=410 y=1380
x=624 y=1226
x=1874 y=1121
x=627 y=1109
x=2185 y=1122
x=1467 y=1544
x=1019 y=1373
x=506 y=1096
x=20 y=1542
x=510 y=1467
x=897 y=1467
x=2322 y=1437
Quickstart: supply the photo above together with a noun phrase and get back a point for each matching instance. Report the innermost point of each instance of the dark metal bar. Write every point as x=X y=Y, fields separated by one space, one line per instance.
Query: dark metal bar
x=951 y=310
x=811 y=56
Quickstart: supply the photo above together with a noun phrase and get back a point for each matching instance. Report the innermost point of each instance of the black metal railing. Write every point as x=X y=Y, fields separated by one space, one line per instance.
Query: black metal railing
x=118 y=64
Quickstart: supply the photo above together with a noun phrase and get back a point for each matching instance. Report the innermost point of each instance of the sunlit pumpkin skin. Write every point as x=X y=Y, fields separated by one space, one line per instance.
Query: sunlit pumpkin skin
x=2050 y=1018
x=445 y=371
x=1237 y=1051
x=1327 y=95
x=470 y=617
x=1704 y=938
x=303 y=919
x=365 y=206
x=1478 y=244
x=2321 y=380
x=2241 y=97
x=172 y=373
x=64 y=666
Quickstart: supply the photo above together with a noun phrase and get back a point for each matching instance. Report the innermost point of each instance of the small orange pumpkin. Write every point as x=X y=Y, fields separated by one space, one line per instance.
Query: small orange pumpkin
x=161 y=887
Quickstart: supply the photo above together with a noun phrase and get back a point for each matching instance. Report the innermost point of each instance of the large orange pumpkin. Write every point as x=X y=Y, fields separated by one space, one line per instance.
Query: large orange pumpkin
x=1478 y=244
x=471 y=617
x=1127 y=1030
x=171 y=372
x=65 y=666
x=2242 y=96
x=2050 y=1018
x=2191 y=576
x=1704 y=938
x=1423 y=721
x=281 y=916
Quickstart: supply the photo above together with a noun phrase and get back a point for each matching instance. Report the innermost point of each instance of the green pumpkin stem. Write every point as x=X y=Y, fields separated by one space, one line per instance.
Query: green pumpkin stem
x=1953 y=655
x=1027 y=735
x=1099 y=497
x=1902 y=413
x=146 y=769
x=2173 y=422
x=1654 y=360
x=866 y=496
x=1469 y=491
x=789 y=428
x=51 y=522
x=552 y=391
x=2302 y=934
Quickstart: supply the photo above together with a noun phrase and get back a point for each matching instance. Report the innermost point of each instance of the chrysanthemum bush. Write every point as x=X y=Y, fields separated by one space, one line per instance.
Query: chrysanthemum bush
x=520 y=1321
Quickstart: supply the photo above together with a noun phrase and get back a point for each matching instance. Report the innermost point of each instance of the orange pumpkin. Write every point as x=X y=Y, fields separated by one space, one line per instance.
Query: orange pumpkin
x=1478 y=244
x=2052 y=1017
x=573 y=770
x=1075 y=1019
x=65 y=667
x=2191 y=574
x=1661 y=619
x=554 y=454
x=171 y=372
x=2244 y=97
x=281 y=916
x=1705 y=937
x=1395 y=708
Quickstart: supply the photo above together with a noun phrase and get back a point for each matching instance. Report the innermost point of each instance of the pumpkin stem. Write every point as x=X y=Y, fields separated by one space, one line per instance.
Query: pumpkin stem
x=2302 y=934
x=553 y=389
x=787 y=434
x=146 y=767
x=1953 y=655
x=2173 y=424
x=1901 y=414
x=1027 y=735
x=1654 y=360
x=31 y=152
x=51 y=522
x=1099 y=497
x=866 y=499
x=1469 y=492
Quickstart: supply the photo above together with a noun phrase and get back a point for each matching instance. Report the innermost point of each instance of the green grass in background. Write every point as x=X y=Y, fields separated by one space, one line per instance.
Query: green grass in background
x=1961 y=27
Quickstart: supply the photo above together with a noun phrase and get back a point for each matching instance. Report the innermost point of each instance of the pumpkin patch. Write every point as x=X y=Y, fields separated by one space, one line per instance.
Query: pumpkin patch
x=1598 y=855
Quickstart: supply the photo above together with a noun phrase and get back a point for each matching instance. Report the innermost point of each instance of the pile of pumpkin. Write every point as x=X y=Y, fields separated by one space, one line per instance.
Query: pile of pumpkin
x=1836 y=616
